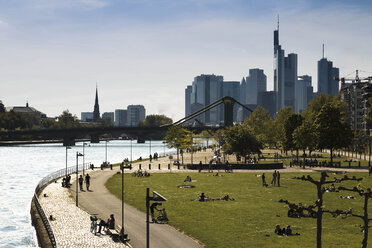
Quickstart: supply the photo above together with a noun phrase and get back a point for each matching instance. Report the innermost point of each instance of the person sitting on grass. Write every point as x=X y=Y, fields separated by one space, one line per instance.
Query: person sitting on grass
x=202 y=197
x=288 y=231
x=163 y=215
x=188 y=179
x=227 y=198
x=278 y=230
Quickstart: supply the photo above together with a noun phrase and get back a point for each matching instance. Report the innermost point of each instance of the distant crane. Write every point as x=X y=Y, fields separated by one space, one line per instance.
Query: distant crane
x=357 y=79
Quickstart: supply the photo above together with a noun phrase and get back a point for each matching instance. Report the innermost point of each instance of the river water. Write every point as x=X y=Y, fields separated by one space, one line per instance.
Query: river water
x=22 y=167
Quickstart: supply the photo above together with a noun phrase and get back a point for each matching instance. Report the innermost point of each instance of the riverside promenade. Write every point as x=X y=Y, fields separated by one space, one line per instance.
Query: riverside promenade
x=71 y=226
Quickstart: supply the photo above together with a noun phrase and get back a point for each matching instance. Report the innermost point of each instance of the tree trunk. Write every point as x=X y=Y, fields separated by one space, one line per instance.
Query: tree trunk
x=331 y=156
x=365 y=219
x=297 y=154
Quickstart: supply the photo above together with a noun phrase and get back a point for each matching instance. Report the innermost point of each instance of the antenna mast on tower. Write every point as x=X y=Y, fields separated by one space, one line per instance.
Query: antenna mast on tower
x=278 y=22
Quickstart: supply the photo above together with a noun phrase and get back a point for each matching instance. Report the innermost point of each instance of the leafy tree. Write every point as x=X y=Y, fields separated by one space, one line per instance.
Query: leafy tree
x=241 y=141
x=279 y=125
x=333 y=131
x=155 y=121
x=292 y=122
x=304 y=137
x=2 y=107
x=219 y=137
x=67 y=120
x=179 y=138
x=260 y=121
x=315 y=105
x=206 y=134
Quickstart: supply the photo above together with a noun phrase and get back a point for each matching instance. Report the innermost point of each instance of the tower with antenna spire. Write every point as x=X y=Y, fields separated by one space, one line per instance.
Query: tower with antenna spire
x=96 y=114
x=285 y=74
x=326 y=76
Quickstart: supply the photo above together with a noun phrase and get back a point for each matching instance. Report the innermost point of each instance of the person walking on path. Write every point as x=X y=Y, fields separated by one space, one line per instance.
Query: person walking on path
x=278 y=177
x=263 y=180
x=87 y=181
x=273 y=181
x=81 y=180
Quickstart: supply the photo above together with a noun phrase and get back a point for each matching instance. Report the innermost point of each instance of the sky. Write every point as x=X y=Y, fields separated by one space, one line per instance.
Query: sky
x=53 y=53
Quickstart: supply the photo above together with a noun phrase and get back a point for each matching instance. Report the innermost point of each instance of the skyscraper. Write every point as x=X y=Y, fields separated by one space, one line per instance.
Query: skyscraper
x=96 y=114
x=121 y=118
x=304 y=93
x=188 y=92
x=232 y=89
x=326 y=77
x=285 y=75
x=135 y=114
x=207 y=89
x=256 y=82
x=243 y=91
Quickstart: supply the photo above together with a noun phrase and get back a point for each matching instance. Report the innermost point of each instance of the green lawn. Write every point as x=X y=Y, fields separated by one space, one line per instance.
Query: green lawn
x=249 y=221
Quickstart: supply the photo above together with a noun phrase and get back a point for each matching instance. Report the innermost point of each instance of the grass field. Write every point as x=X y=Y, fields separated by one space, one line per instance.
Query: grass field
x=249 y=221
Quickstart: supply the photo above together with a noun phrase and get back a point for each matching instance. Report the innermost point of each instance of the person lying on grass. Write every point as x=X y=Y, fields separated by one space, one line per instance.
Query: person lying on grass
x=203 y=197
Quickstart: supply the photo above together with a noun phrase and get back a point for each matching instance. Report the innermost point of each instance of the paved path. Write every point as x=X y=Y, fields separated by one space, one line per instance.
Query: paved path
x=71 y=226
x=101 y=202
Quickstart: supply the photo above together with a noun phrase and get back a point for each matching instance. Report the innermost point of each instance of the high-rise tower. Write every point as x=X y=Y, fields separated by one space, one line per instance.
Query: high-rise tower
x=285 y=75
x=326 y=77
x=96 y=114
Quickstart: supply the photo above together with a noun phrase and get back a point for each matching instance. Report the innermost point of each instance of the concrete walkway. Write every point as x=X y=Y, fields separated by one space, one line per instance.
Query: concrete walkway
x=71 y=226
x=101 y=202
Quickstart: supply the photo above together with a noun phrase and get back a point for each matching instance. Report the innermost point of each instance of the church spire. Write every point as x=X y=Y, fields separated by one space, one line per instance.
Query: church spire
x=96 y=114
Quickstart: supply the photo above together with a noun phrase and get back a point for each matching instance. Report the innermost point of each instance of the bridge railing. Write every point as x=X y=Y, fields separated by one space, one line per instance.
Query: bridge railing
x=47 y=179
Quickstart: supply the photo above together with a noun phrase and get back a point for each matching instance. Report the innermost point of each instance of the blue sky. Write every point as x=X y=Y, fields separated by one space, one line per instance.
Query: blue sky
x=53 y=52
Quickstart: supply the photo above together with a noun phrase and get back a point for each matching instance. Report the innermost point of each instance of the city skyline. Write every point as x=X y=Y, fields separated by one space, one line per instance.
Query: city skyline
x=144 y=53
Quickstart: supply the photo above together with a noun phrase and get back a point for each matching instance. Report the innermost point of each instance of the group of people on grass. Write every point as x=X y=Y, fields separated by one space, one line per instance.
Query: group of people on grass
x=275 y=179
x=284 y=232
x=162 y=213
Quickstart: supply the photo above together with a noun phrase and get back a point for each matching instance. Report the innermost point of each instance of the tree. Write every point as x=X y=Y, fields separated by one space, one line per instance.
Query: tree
x=279 y=124
x=155 y=121
x=304 y=137
x=332 y=130
x=179 y=138
x=292 y=122
x=318 y=205
x=241 y=141
x=260 y=121
x=315 y=105
x=206 y=134
x=66 y=120
x=2 y=108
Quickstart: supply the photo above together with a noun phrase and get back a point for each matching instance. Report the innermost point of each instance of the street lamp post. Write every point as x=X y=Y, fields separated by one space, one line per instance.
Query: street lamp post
x=124 y=237
x=106 y=152
x=67 y=147
x=84 y=144
x=78 y=154
x=150 y=146
x=131 y=159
